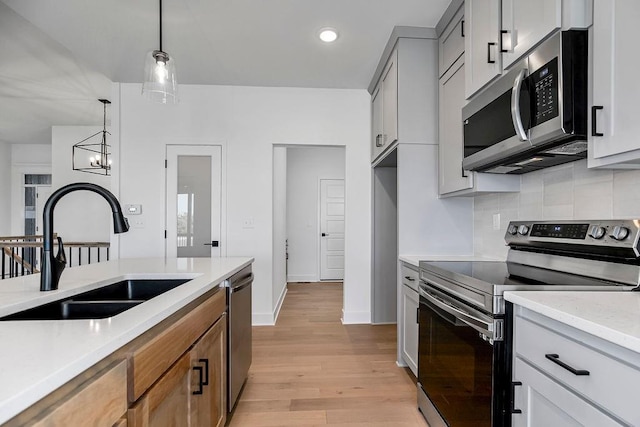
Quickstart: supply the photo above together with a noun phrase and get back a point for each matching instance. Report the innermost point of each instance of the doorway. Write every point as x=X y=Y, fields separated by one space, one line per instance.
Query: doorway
x=315 y=202
x=193 y=201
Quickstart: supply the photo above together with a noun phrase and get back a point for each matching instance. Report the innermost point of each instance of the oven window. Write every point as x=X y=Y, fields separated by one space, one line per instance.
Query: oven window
x=455 y=368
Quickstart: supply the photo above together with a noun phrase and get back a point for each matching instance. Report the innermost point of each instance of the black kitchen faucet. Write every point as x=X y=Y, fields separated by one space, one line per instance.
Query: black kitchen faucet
x=52 y=266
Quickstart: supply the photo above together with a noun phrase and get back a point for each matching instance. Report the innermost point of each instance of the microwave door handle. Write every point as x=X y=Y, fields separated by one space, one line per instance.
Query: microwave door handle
x=477 y=324
x=515 y=105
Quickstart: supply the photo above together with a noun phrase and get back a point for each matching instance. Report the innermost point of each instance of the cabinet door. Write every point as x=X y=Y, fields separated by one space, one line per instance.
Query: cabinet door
x=390 y=101
x=544 y=402
x=481 y=43
x=166 y=403
x=526 y=24
x=377 y=142
x=451 y=42
x=410 y=303
x=615 y=86
x=100 y=400
x=451 y=176
x=208 y=384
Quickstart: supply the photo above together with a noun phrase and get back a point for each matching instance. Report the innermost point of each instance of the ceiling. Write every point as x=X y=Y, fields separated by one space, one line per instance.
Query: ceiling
x=69 y=50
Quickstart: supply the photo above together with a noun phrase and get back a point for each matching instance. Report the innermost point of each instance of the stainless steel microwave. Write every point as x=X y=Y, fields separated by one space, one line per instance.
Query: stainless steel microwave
x=535 y=115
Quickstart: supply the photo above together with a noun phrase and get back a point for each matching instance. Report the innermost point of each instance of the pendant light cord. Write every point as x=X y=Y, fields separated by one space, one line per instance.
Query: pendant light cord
x=160 y=26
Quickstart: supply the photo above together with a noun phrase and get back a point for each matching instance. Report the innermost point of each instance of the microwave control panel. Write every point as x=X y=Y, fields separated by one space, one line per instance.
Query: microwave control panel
x=544 y=85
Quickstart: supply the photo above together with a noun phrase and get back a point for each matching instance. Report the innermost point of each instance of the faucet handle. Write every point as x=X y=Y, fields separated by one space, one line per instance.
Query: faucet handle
x=61 y=257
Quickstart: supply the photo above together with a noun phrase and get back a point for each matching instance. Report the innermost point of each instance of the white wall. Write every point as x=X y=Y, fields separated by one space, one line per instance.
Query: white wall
x=25 y=159
x=5 y=189
x=81 y=216
x=247 y=122
x=305 y=167
x=279 y=225
x=563 y=192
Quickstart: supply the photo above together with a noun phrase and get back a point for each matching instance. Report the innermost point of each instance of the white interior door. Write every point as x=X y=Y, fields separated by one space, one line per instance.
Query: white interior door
x=331 y=229
x=193 y=213
x=42 y=195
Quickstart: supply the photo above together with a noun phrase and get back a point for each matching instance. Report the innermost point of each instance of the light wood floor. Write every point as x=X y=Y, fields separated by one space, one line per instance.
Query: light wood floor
x=310 y=370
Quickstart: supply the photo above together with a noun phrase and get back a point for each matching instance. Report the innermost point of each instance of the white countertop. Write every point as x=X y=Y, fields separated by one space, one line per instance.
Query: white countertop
x=415 y=259
x=612 y=316
x=37 y=357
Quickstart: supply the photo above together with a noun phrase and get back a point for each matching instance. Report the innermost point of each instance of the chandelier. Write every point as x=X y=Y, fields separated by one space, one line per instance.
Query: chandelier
x=93 y=154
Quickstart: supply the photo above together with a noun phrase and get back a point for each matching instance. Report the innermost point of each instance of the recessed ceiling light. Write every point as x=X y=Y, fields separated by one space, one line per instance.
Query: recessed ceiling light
x=328 y=35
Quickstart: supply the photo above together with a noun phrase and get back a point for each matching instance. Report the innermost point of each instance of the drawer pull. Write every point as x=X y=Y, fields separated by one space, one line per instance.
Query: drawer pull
x=409 y=278
x=556 y=359
x=200 y=382
x=513 y=397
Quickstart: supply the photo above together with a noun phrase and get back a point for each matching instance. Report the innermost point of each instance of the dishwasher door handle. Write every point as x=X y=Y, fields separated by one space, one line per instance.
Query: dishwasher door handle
x=243 y=284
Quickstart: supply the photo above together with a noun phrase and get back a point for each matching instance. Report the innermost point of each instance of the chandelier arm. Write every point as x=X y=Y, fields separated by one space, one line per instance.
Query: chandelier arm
x=160 y=14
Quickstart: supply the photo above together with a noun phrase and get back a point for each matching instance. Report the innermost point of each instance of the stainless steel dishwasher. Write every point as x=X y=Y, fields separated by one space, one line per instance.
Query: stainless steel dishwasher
x=238 y=333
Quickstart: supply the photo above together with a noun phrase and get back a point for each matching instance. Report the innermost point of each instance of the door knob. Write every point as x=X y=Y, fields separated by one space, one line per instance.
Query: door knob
x=214 y=243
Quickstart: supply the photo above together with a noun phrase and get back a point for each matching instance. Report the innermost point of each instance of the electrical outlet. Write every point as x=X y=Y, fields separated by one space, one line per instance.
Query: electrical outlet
x=136 y=223
x=496 y=221
x=247 y=223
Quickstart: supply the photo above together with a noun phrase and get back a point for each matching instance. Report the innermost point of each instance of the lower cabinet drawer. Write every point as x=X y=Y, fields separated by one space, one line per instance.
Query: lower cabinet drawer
x=543 y=402
x=588 y=370
x=410 y=277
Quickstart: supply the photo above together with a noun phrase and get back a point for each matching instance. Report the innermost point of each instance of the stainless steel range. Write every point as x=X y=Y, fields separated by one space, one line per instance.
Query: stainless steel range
x=464 y=360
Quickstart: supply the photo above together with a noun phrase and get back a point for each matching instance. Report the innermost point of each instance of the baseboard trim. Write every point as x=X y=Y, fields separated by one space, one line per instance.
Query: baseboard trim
x=262 y=319
x=356 y=317
x=302 y=278
x=279 y=304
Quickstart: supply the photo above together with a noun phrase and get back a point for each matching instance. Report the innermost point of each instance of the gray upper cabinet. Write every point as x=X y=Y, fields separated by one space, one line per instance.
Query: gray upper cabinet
x=452 y=179
x=451 y=42
x=384 y=109
x=451 y=176
x=483 y=60
x=404 y=92
x=526 y=23
x=614 y=113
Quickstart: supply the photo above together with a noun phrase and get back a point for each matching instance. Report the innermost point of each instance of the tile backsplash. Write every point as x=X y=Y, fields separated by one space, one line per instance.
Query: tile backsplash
x=563 y=192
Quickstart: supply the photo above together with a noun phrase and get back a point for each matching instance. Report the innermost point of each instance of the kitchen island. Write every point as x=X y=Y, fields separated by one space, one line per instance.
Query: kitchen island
x=38 y=357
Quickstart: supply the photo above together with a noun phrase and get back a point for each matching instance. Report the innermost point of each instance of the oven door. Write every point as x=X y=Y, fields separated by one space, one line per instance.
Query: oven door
x=462 y=371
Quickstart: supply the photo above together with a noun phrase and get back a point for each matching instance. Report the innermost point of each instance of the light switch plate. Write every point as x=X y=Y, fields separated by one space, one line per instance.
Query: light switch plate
x=132 y=209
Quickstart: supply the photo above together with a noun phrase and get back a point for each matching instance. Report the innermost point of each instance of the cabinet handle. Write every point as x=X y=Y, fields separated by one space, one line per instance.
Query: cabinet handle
x=594 y=125
x=513 y=397
x=462 y=28
x=409 y=278
x=556 y=359
x=489 y=60
x=206 y=371
x=502 y=33
x=417 y=314
x=378 y=140
x=200 y=382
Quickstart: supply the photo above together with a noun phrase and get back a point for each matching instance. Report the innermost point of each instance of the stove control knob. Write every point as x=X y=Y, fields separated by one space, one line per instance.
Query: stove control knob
x=597 y=232
x=513 y=229
x=619 y=232
x=523 y=230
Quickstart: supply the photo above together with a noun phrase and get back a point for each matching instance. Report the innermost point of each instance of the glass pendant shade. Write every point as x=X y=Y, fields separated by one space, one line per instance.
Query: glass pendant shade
x=160 y=83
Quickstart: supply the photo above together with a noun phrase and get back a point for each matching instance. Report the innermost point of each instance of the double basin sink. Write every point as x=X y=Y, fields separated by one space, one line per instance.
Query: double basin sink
x=100 y=303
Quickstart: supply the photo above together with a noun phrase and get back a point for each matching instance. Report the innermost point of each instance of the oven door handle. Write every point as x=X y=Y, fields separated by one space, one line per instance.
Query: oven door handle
x=479 y=325
x=516 y=115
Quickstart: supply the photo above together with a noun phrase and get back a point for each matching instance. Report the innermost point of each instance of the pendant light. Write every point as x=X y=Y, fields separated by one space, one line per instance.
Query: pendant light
x=93 y=154
x=160 y=82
